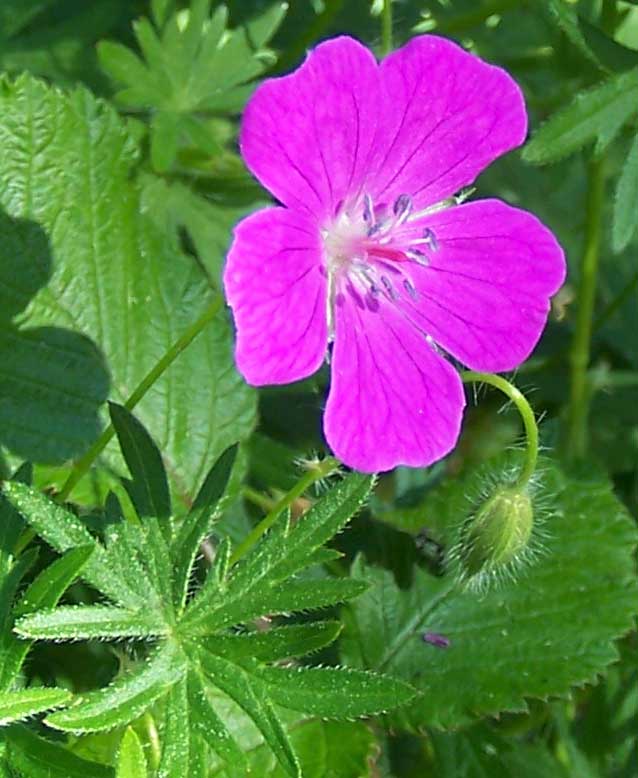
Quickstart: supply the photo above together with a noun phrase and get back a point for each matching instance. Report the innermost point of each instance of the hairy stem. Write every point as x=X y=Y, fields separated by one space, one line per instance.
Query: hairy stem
x=386 y=28
x=526 y=413
x=84 y=463
x=321 y=470
x=578 y=408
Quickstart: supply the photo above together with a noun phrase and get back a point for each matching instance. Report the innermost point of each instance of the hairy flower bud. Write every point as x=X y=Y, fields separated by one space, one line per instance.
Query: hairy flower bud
x=498 y=532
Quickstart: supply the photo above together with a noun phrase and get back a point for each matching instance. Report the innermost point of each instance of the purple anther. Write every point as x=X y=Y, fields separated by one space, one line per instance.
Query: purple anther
x=368 y=210
x=402 y=205
x=387 y=285
x=417 y=256
x=435 y=639
x=430 y=238
x=409 y=288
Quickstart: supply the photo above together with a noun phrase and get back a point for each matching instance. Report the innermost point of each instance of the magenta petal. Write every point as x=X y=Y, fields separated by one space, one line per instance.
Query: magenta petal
x=276 y=285
x=447 y=116
x=393 y=400
x=307 y=136
x=484 y=295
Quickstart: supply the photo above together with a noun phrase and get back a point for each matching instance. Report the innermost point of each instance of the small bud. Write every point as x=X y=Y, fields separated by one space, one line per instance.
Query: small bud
x=497 y=533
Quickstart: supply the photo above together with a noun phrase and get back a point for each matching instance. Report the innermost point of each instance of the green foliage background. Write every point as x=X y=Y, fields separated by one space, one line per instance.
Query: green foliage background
x=164 y=611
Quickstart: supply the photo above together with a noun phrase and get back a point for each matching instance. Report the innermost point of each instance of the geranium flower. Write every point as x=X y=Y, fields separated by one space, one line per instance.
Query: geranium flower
x=371 y=256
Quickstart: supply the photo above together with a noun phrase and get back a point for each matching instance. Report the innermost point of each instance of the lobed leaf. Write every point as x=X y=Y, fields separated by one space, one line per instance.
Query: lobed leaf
x=597 y=114
x=552 y=629
x=176 y=734
x=76 y=149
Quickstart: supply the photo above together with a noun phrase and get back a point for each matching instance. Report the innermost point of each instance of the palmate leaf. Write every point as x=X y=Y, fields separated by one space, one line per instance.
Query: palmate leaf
x=79 y=151
x=595 y=115
x=538 y=636
x=197 y=645
x=190 y=69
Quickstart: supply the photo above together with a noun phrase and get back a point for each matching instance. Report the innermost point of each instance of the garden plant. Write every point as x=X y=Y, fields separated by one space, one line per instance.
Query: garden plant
x=318 y=388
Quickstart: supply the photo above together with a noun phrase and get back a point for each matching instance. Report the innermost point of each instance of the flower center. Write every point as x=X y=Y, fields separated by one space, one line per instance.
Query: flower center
x=370 y=248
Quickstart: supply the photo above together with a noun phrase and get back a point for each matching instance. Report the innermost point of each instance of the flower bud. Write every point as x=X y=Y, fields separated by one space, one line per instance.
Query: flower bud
x=497 y=533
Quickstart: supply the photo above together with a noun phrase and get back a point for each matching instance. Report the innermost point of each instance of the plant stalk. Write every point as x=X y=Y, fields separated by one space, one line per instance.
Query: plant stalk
x=84 y=463
x=526 y=413
x=578 y=408
x=322 y=470
x=386 y=28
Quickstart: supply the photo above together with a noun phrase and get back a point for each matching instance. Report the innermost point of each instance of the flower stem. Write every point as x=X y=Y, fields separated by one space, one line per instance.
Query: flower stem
x=524 y=409
x=386 y=28
x=578 y=408
x=322 y=470
x=84 y=463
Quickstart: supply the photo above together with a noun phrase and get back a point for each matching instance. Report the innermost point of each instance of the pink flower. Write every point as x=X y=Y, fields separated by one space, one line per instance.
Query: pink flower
x=370 y=253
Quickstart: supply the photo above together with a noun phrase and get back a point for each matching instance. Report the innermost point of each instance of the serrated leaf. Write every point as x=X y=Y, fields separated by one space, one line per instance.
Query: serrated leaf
x=206 y=721
x=131 y=762
x=127 y=697
x=626 y=201
x=534 y=637
x=275 y=644
x=53 y=581
x=36 y=757
x=193 y=66
x=43 y=592
x=334 y=692
x=176 y=734
x=597 y=114
x=196 y=526
x=105 y=248
x=281 y=554
x=591 y=42
x=90 y=622
x=149 y=488
x=241 y=687
x=23 y=703
x=64 y=531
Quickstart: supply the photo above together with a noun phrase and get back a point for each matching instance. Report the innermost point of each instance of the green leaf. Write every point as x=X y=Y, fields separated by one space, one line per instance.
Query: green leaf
x=591 y=42
x=197 y=524
x=207 y=722
x=240 y=687
x=538 y=636
x=176 y=734
x=277 y=643
x=126 y=699
x=149 y=487
x=326 y=749
x=131 y=762
x=253 y=585
x=597 y=114
x=23 y=703
x=35 y=757
x=626 y=201
x=334 y=692
x=57 y=148
x=89 y=622
x=64 y=531
x=44 y=592
x=193 y=67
